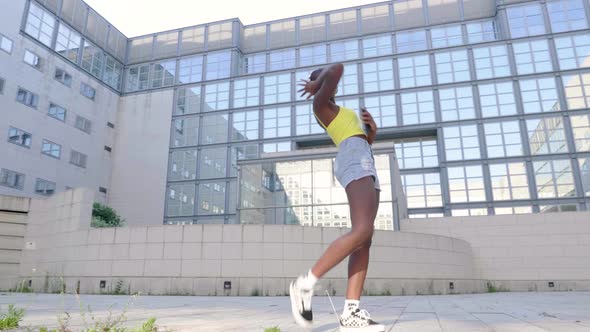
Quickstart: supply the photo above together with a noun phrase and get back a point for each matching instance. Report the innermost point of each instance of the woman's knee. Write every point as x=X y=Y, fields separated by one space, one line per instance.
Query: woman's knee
x=363 y=234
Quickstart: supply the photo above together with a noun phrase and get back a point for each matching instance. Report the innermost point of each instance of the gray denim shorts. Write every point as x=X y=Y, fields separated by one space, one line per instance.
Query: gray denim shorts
x=355 y=161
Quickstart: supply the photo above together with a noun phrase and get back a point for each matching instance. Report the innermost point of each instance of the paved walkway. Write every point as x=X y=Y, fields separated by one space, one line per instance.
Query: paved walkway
x=500 y=312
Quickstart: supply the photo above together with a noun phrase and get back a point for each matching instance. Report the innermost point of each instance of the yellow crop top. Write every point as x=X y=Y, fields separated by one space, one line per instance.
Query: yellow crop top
x=346 y=124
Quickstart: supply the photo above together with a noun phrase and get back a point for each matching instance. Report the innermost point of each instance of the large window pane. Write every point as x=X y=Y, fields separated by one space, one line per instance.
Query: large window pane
x=526 y=20
x=457 y=103
x=419 y=153
x=585 y=173
x=312 y=55
x=213 y=163
x=68 y=43
x=40 y=24
x=180 y=200
x=417 y=107
x=188 y=101
x=218 y=65
x=191 y=69
x=344 y=50
x=277 y=122
x=377 y=46
x=185 y=131
x=422 y=190
x=546 y=135
x=469 y=212
x=214 y=130
x=532 y=57
x=305 y=121
x=113 y=72
x=461 y=142
x=138 y=78
x=382 y=108
x=216 y=97
x=577 y=90
x=566 y=15
x=554 y=178
x=509 y=181
x=255 y=63
x=491 y=62
x=497 y=99
x=277 y=88
x=414 y=71
x=93 y=59
x=183 y=165
x=573 y=51
x=245 y=125
x=581 y=129
x=164 y=74
x=378 y=76
x=479 y=32
x=503 y=139
x=466 y=184
x=246 y=92
x=348 y=84
x=282 y=59
x=539 y=95
x=513 y=210
x=446 y=36
x=452 y=67
x=211 y=198
x=410 y=41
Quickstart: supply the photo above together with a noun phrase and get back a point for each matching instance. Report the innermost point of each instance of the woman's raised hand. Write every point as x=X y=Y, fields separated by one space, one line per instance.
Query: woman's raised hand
x=308 y=87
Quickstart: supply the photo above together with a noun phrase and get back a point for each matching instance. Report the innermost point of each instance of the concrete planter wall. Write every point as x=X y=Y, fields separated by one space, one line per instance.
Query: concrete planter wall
x=256 y=259
x=438 y=256
x=201 y=259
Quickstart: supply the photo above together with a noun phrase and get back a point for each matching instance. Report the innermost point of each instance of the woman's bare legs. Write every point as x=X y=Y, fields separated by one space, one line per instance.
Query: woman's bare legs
x=363 y=200
x=358 y=264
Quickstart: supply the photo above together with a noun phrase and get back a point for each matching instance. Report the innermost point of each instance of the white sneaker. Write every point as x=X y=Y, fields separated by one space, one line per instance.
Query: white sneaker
x=301 y=303
x=359 y=321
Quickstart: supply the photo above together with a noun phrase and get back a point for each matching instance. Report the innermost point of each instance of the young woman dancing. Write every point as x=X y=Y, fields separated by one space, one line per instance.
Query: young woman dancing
x=355 y=170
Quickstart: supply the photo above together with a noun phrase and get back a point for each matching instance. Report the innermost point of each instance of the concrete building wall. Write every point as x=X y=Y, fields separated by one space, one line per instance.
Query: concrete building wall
x=522 y=252
x=13 y=221
x=140 y=161
x=30 y=161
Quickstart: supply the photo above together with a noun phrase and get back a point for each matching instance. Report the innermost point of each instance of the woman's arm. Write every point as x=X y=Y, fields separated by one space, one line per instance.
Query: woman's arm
x=323 y=88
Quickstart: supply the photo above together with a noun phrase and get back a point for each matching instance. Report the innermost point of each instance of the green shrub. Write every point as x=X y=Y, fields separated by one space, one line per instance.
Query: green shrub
x=11 y=319
x=272 y=329
x=104 y=216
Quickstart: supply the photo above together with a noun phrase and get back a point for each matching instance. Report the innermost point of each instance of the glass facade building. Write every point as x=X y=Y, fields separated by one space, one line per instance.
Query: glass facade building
x=483 y=104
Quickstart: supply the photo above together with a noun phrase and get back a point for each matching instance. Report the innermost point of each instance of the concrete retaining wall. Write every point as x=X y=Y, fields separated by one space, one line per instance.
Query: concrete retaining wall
x=199 y=259
x=13 y=218
x=516 y=252
x=522 y=252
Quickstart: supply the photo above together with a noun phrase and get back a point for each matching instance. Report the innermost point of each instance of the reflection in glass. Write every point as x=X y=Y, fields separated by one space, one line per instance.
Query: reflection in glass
x=554 y=178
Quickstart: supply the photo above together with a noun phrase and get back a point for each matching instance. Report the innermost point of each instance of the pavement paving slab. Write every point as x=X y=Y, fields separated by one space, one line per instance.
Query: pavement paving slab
x=494 y=312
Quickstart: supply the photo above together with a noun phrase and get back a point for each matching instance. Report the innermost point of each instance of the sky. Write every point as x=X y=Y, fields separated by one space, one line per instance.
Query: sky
x=140 y=17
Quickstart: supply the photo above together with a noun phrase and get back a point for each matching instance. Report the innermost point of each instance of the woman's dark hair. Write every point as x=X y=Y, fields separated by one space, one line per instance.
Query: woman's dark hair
x=315 y=74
